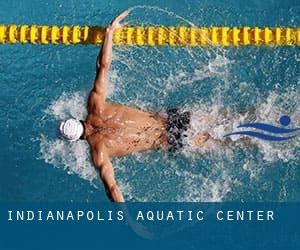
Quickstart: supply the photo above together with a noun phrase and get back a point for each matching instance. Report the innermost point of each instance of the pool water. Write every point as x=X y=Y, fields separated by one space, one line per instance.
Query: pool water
x=43 y=84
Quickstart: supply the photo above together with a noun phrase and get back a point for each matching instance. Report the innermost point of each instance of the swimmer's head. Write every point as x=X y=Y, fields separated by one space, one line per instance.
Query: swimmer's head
x=70 y=130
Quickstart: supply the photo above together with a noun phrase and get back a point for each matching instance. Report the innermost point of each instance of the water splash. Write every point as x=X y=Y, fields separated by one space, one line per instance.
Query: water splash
x=215 y=85
x=192 y=185
x=74 y=158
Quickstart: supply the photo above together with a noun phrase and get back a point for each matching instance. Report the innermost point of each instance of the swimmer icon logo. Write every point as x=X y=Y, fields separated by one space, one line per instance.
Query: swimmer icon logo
x=272 y=133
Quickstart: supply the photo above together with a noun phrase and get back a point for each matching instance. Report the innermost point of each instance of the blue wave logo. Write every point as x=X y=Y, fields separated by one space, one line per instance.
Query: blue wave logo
x=279 y=133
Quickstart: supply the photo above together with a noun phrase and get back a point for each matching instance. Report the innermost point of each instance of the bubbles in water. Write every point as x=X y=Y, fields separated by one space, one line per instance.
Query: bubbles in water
x=68 y=105
x=73 y=157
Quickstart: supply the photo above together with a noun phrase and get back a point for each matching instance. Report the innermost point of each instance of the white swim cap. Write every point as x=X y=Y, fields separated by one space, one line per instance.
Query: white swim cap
x=70 y=130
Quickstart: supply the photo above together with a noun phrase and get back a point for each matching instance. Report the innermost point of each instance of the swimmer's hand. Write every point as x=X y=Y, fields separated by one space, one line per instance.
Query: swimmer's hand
x=115 y=24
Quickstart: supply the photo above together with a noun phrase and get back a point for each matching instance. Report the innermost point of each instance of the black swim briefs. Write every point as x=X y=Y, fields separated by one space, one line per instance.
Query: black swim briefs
x=177 y=124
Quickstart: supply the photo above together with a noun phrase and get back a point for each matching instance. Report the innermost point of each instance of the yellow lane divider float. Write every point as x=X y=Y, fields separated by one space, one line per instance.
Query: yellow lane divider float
x=152 y=36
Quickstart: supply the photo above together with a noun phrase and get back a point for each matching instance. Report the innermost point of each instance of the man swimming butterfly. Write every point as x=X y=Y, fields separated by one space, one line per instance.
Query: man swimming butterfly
x=117 y=130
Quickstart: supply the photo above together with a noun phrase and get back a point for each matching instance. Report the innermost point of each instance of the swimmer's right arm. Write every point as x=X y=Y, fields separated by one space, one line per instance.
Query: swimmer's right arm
x=103 y=164
x=105 y=56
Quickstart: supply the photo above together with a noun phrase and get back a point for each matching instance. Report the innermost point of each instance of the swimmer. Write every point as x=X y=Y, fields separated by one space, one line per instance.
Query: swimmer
x=114 y=130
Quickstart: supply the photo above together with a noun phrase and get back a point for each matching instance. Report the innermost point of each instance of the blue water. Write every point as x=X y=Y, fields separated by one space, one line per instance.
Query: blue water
x=42 y=84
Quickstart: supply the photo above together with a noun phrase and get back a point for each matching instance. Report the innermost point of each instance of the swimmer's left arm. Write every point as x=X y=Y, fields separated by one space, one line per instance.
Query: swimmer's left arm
x=103 y=164
x=105 y=56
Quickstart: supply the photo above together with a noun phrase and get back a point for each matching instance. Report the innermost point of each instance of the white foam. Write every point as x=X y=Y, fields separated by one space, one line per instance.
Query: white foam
x=174 y=182
x=271 y=110
x=214 y=118
x=68 y=105
x=216 y=121
x=73 y=157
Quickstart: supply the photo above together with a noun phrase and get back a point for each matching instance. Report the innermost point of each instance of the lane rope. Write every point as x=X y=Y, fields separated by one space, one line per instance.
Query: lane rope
x=152 y=35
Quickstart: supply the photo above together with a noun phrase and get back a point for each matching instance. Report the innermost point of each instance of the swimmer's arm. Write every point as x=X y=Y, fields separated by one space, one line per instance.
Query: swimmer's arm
x=103 y=64
x=105 y=56
x=103 y=164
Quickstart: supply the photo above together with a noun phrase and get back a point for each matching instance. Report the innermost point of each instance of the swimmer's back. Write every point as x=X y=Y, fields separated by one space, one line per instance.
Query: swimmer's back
x=126 y=130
